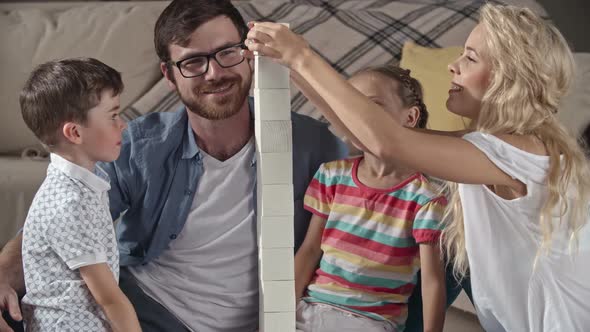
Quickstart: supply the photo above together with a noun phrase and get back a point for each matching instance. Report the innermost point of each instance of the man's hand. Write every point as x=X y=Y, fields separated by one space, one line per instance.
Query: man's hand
x=12 y=281
x=8 y=302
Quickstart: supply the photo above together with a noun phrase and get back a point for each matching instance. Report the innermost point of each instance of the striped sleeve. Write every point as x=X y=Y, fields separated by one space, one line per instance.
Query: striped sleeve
x=320 y=193
x=428 y=221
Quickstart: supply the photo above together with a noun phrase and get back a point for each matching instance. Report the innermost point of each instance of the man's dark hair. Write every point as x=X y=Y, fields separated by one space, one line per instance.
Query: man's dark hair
x=182 y=17
x=64 y=91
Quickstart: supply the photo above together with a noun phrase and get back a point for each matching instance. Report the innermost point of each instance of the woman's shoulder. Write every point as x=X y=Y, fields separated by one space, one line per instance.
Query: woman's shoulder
x=523 y=145
x=526 y=143
x=521 y=157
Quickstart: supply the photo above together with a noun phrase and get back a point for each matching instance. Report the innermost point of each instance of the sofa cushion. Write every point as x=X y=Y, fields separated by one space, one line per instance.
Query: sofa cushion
x=429 y=66
x=19 y=181
x=119 y=34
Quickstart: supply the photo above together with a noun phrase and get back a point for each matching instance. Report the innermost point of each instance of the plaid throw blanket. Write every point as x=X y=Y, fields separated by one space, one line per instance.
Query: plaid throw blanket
x=352 y=34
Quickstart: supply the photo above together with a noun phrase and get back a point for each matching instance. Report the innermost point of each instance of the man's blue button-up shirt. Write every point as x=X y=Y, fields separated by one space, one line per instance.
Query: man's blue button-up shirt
x=154 y=179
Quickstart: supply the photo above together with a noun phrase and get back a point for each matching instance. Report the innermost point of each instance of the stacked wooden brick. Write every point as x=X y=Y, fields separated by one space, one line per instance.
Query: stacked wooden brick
x=272 y=125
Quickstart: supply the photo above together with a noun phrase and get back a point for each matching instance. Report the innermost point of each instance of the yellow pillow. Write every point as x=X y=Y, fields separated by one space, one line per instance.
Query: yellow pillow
x=429 y=66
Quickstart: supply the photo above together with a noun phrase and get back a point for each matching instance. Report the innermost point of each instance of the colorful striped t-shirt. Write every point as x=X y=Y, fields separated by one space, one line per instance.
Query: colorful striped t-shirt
x=370 y=241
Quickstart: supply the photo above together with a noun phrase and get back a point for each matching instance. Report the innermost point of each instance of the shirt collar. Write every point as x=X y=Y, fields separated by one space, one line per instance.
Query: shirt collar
x=190 y=149
x=98 y=182
x=189 y=144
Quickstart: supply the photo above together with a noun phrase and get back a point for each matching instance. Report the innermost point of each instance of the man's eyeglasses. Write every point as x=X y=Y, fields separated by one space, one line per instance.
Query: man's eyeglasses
x=198 y=65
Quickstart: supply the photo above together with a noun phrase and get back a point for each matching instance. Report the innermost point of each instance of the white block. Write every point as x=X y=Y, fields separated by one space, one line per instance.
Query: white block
x=277 y=264
x=269 y=74
x=274 y=136
x=276 y=232
x=275 y=200
x=275 y=168
x=277 y=321
x=278 y=296
x=272 y=104
x=258 y=135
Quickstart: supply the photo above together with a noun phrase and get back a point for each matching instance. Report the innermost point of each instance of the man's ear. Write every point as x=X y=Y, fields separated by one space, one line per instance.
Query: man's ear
x=168 y=74
x=71 y=132
x=412 y=117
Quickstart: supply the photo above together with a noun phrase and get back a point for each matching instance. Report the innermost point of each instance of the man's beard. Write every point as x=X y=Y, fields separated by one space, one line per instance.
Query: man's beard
x=222 y=108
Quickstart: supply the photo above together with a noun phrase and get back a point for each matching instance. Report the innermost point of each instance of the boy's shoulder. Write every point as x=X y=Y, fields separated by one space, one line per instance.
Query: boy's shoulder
x=60 y=194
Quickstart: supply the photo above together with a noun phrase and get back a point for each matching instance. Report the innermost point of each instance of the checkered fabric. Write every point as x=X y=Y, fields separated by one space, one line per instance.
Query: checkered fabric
x=352 y=34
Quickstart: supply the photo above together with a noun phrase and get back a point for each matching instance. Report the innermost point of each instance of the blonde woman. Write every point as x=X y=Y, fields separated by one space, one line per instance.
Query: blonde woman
x=521 y=201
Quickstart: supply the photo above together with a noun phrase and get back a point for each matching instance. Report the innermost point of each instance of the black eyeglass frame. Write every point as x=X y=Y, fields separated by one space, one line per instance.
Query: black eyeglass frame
x=209 y=56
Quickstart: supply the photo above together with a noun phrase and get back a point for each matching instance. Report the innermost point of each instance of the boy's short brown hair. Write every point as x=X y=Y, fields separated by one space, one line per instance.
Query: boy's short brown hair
x=64 y=91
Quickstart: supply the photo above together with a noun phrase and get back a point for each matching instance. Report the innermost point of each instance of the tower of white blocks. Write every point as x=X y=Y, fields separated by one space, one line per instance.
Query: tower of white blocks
x=272 y=126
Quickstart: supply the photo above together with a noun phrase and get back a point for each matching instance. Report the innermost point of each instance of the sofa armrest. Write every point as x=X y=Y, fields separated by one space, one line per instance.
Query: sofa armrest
x=19 y=181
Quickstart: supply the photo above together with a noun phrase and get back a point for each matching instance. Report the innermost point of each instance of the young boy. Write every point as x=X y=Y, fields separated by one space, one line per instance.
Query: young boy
x=70 y=256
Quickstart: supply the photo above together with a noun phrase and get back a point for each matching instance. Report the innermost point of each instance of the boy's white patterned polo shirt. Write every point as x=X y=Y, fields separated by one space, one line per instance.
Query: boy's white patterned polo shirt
x=68 y=226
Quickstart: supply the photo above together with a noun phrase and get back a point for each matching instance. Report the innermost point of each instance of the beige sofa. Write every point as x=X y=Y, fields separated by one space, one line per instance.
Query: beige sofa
x=120 y=34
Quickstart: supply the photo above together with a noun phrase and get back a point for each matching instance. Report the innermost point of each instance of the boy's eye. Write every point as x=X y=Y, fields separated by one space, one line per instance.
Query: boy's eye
x=115 y=115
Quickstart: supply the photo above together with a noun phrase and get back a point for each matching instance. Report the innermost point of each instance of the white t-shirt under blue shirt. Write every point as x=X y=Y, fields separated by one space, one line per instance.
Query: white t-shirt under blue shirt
x=503 y=238
x=208 y=276
x=68 y=226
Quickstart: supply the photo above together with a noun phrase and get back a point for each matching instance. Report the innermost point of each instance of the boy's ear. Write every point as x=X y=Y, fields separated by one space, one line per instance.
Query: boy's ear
x=169 y=75
x=412 y=117
x=71 y=132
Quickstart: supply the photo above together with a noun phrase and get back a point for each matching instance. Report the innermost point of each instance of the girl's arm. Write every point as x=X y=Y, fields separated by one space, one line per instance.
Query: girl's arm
x=446 y=157
x=108 y=295
x=308 y=255
x=433 y=287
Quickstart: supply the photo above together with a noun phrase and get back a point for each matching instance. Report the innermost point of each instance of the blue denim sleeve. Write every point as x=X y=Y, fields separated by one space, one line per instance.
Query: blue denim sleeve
x=119 y=173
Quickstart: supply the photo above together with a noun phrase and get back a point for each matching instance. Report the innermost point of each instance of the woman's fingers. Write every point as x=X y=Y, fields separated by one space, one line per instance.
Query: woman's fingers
x=269 y=28
x=259 y=36
x=248 y=54
x=276 y=41
x=266 y=26
x=262 y=49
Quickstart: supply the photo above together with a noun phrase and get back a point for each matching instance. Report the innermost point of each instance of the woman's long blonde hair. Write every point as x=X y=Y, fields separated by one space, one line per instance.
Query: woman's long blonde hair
x=532 y=67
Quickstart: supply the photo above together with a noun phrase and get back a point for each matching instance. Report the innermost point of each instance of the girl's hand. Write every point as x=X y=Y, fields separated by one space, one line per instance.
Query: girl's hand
x=276 y=41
